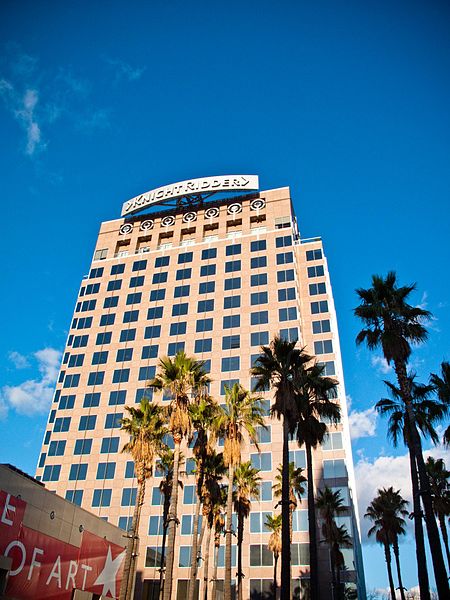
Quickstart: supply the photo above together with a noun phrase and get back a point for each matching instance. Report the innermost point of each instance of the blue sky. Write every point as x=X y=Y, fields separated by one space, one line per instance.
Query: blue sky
x=345 y=102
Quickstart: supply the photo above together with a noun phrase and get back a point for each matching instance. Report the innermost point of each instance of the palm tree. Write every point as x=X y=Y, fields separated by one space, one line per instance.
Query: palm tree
x=427 y=412
x=273 y=524
x=218 y=521
x=314 y=402
x=145 y=426
x=246 y=487
x=242 y=413
x=330 y=505
x=394 y=325
x=181 y=376
x=440 y=490
x=277 y=369
x=442 y=387
x=296 y=489
x=386 y=511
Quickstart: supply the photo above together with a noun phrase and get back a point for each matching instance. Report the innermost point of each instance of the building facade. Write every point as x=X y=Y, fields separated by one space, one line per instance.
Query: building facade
x=216 y=277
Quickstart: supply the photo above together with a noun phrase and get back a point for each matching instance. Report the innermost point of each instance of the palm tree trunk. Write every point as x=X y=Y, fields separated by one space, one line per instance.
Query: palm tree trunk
x=387 y=555
x=227 y=581
x=206 y=563
x=440 y=573
x=172 y=518
x=239 y=554
x=214 y=578
x=334 y=579
x=338 y=590
x=285 y=529
x=422 y=570
x=194 y=552
x=399 y=573
x=275 y=577
x=313 y=563
x=444 y=536
x=129 y=569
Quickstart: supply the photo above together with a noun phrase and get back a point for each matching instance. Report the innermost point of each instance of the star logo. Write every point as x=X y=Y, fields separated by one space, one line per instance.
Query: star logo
x=107 y=577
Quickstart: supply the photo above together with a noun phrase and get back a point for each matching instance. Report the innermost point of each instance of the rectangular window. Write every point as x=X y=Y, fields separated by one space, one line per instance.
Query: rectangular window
x=74 y=496
x=134 y=298
x=157 y=497
x=259 y=338
x=283 y=241
x=127 y=335
x=286 y=294
x=232 y=302
x=155 y=312
x=231 y=321
x=57 y=448
x=82 y=446
x=107 y=319
x=328 y=368
x=137 y=281
x=62 y=424
x=300 y=520
x=117 y=269
x=185 y=257
x=316 y=271
x=284 y=258
x=156 y=295
x=175 y=347
x=180 y=309
x=262 y=461
x=114 y=285
x=258 y=279
x=153 y=331
x=189 y=495
x=333 y=441
x=87 y=423
x=300 y=554
x=156 y=525
x=112 y=420
x=130 y=316
x=100 y=358
x=91 y=400
x=207 y=270
x=98 y=272
x=204 y=325
x=205 y=306
x=258 y=262
x=129 y=470
x=149 y=352
x=153 y=558
x=117 y=397
x=76 y=360
x=124 y=355
x=231 y=363
x=298 y=457
x=101 y=497
x=258 y=520
x=84 y=323
x=259 y=318
x=233 y=249
x=209 y=253
x=80 y=341
x=125 y=523
x=319 y=307
x=231 y=342
x=264 y=434
x=290 y=334
x=287 y=314
x=106 y=470
x=67 y=402
x=96 y=378
x=333 y=469
x=139 y=265
x=204 y=345
x=103 y=338
x=78 y=472
x=265 y=491
x=232 y=265
x=92 y=288
x=181 y=291
x=162 y=261
x=323 y=347
x=207 y=287
x=260 y=556
x=317 y=288
x=147 y=373
x=183 y=274
x=314 y=254
x=259 y=298
x=232 y=284
x=258 y=245
x=321 y=326
x=283 y=276
x=227 y=383
x=110 y=445
x=178 y=328
x=71 y=381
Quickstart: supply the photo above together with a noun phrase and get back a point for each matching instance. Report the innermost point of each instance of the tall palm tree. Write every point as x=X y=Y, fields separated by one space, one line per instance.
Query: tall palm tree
x=386 y=511
x=330 y=505
x=146 y=428
x=242 y=413
x=296 y=489
x=441 y=385
x=181 y=377
x=273 y=524
x=246 y=487
x=218 y=519
x=427 y=412
x=440 y=490
x=277 y=369
x=314 y=402
x=391 y=323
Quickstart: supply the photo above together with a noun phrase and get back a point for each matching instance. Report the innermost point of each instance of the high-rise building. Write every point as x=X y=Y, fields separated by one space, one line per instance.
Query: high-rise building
x=216 y=268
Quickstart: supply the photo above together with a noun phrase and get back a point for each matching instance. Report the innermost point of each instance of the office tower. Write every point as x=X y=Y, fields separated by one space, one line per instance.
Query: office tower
x=216 y=268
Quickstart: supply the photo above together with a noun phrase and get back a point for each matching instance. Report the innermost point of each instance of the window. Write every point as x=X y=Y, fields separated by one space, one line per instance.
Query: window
x=82 y=446
x=258 y=262
x=157 y=497
x=62 y=424
x=83 y=323
x=134 y=298
x=286 y=294
x=205 y=306
x=264 y=434
x=190 y=466
x=181 y=291
x=232 y=302
x=257 y=245
x=333 y=441
x=67 y=402
x=127 y=335
x=300 y=520
x=87 y=423
x=153 y=331
x=319 y=307
x=74 y=496
x=178 y=328
x=117 y=397
x=283 y=241
x=162 y=261
x=51 y=473
x=317 y=271
x=262 y=588
x=101 y=497
x=258 y=279
x=185 y=557
x=230 y=342
x=257 y=521
x=233 y=249
x=113 y=420
x=125 y=523
x=153 y=560
x=328 y=368
x=156 y=295
x=187 y=524
x=99 y=358
x=300 y=554
x=149 y=352
x=209 y=253
x=96 y=378
x=259 y=338
x=137 y=281
x=189 y=495
x=317 y=288
x=298 y=457
x=106 y=470
x=207 y=287
x=175 y=347
x=114 y=285
x=80 y=341
x=155 y=525
x=314 y=254
x=260 y=556
x=227 y=383
x=139 y=265
x=283 y=276
x=284 y=258
x=146 y=373
x=203 y=325
x=185 y=257
x=183 y=274
x=87 y=305
x=321 y=326
x=265 y=491
x=232 y=265
x=109 y=445
x=103 y=338
x=124 y=355
x=91 y=400
x=156 y=312
x=323 y=347
x=231 y=321
x=143 y=393
x=78 y=472
x=180 y=309
x=98 y=272
x=259 y=318
x=57 y=448
x=129 y=470
x=231 y=363
x=232 y=284
x=262 y=461
x=203 y=346
x=117 y=269
x=71 y=381
x=207 y=270
x=258 y=298
x=287 y=314
x=221 y=557
x=130 y=316
x=92 y=288
x=290 y=334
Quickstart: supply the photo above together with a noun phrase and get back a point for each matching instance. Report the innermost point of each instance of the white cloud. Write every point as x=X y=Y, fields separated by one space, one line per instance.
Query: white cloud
x=381 y=364
x=18 y=360
x=363 y=423
x=124 y=70
x=33 y=396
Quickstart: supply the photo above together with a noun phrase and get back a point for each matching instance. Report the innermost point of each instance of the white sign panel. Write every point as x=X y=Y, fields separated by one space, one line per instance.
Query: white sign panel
x=220 y=183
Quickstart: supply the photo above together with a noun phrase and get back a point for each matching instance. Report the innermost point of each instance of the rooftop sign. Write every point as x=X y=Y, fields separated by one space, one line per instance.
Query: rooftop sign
x=208 y=185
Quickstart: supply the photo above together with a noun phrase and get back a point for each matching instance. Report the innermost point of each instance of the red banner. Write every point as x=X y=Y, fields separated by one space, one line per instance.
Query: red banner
x=44 y=567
